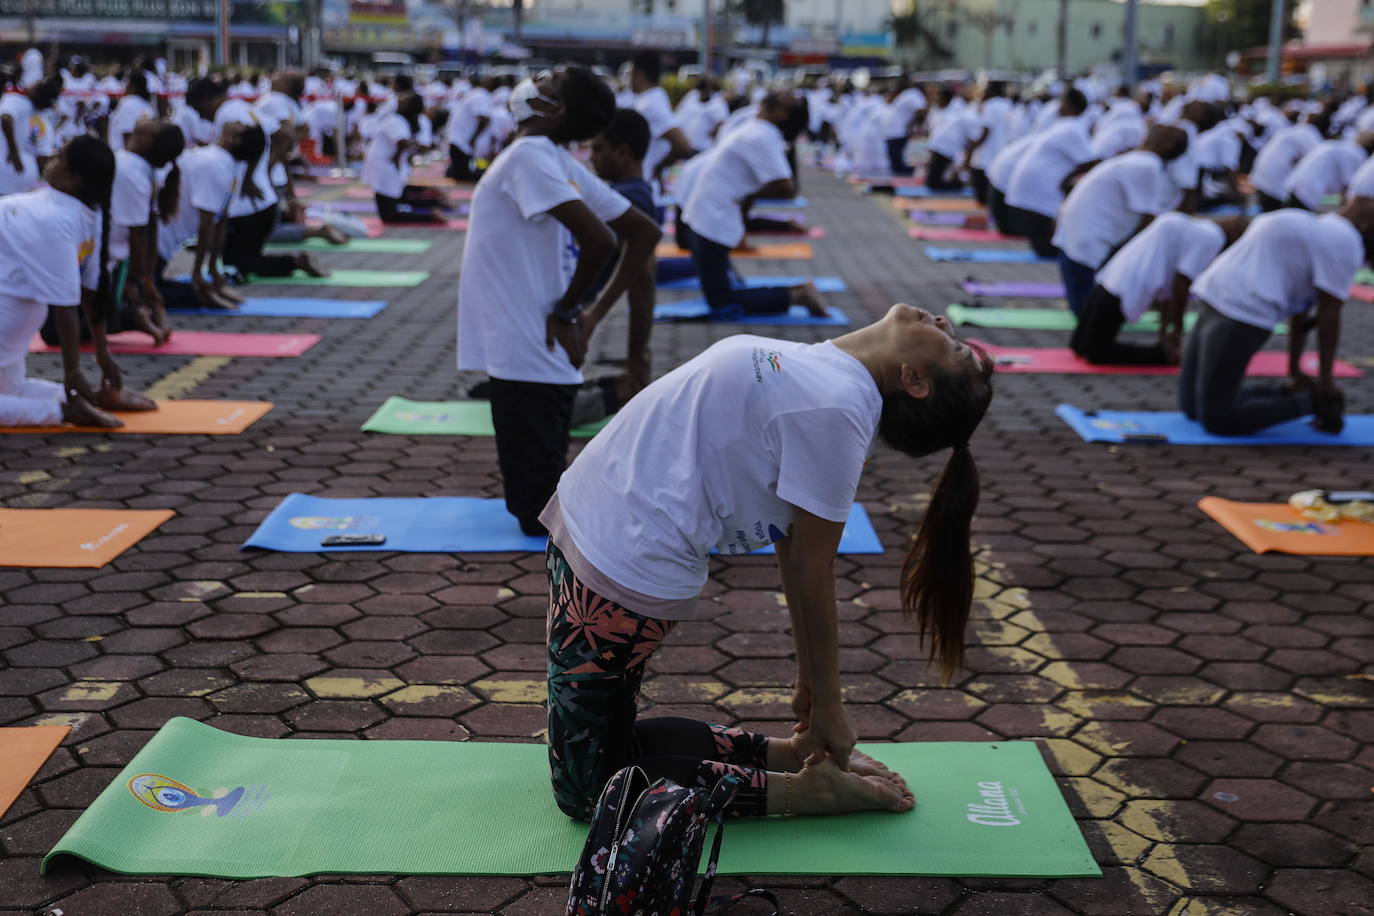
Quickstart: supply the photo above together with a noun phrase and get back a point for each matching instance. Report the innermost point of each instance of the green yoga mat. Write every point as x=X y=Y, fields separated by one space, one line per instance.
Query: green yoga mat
x=361 y=246
x=352 y=278
x=199 y=801
x=403 y=417
x=1030 y=319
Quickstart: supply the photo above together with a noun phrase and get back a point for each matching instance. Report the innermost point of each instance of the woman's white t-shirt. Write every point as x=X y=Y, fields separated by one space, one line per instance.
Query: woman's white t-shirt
x=209 y=180
x=735 y=168
x=717 y=454
x=1280 y=264
x=49 y=247
x=127 y=113
x=1278 y=156
x=1325 y=169
x=1107 y=204
x=237 y=111
x=518 y=260
x=131 y=201
x=30 y=129
x=1142 y=272
x=380 y=171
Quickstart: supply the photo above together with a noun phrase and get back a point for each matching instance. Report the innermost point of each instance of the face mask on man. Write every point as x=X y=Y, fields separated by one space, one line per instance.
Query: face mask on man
x=525 y=92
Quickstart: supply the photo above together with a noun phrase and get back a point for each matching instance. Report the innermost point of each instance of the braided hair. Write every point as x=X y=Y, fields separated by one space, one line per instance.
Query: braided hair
x=93 y=162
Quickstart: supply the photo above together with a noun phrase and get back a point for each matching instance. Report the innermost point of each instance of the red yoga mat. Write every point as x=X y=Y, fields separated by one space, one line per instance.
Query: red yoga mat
x=931 y=234
x=200 y=343
x=1061 y=360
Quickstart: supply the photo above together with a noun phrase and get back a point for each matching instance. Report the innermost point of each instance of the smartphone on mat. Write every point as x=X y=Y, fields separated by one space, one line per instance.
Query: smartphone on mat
x=353 y=540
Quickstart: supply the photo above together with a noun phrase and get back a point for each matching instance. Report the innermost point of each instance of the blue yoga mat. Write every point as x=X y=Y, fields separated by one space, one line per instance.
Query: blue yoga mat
x=920 y=190
x=696 y=309
x=824 y=284
x=450 y=524
x=986 y=255
x=1175 y=429
x=296 y=308
x=781 y=203
x=1231 y=210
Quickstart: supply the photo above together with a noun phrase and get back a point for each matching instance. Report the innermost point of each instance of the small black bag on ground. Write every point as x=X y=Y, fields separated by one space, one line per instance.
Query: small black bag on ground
x=644 y=846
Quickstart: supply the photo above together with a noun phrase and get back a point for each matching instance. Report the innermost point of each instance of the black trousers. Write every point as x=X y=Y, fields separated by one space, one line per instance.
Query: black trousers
x=460 y=167
x=979 y=179
x=1094 y=339
x=1002 y=215
x=896 y=161
x=1268 y=204
x=938 y=174
x=532 y=421
x=1211 y=382
x=407 y=208
x=243 y=242
x=1038 y=230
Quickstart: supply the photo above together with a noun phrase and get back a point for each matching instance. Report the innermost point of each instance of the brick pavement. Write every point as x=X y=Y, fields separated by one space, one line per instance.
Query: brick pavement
x=1209 y=711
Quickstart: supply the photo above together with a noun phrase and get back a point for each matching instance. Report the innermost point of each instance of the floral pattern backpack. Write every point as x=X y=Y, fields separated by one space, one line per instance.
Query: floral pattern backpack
x=644 y=846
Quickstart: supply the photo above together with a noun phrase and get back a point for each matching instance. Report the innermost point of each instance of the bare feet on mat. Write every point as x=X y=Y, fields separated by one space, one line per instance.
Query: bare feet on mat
x=791 y=754
x=305 y=263
x=824 y=788
x=81 y=412
x=332 y=235
x=809 y=296
x=108 y=398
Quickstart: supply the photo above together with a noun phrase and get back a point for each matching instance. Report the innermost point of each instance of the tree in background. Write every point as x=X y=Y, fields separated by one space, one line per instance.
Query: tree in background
x=766 y=13
x=1236 y=25
x=988 y=21
x=917 y=32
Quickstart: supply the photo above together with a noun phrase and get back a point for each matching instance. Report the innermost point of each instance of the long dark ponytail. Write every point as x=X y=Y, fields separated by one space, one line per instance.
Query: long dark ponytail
x=170 y=144
x=92 y=161
x=937 y=574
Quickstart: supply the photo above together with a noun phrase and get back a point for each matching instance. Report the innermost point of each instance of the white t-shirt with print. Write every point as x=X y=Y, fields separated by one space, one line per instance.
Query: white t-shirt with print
x=1277 y=267
x=1107 y=204
x=237 y=111
x=654 y=105
x=1142 y=272
x=209 y=180
x=131 y=201
x=1045 y=164
x=518 y=260
x=741 y=164
x=1326 y=169
x=717 y=454
x=49 y=247
x=380 y=172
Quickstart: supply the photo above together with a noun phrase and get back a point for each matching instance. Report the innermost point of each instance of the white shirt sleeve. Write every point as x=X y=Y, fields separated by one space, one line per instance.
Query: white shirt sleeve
x=213 y=186
x=536 y=180
x=821 y=454
x=1336 y=258
x=766 y=161
x=1145 y=187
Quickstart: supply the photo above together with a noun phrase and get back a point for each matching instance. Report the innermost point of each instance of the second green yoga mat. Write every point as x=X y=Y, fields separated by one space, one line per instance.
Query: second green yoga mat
x=403 y=417
x=1029 y=319
x=359 y=246
x=199 y=801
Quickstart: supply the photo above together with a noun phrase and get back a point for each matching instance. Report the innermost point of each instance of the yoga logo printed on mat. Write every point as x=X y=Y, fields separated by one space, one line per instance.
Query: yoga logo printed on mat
x=105 y=538
x=995 y=806
x=335 y=523
x=162 y=793
x=1295 y=527
x=412 y=416
x=1125 y=426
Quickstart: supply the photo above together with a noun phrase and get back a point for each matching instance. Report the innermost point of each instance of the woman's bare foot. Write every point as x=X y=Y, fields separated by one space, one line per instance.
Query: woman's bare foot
x=824 y=788
x=108 y=398
x=789 y=755
x=305 y=263
x=864 y=765
x=141 y=320
x=330 y=234
x=81 y=412
x=229 y=294
x=809 y=296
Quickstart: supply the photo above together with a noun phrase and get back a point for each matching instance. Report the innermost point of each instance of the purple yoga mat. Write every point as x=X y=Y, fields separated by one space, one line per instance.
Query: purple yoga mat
x=1015 y=290
x=928 y=218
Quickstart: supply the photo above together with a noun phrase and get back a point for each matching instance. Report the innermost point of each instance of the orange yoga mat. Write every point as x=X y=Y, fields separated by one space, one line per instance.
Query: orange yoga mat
x=938 y=204
x=1279 y=527
x=789 y=251
x=73 y=538
x=23 y=751
x=213 y=418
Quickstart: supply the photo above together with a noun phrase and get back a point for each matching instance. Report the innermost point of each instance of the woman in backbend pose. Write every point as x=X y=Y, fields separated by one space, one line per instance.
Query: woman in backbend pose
x=755 y=441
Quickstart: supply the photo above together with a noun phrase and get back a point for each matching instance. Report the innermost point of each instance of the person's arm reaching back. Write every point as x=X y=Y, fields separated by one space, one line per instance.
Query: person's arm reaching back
x=595 y=246
x=11 y=145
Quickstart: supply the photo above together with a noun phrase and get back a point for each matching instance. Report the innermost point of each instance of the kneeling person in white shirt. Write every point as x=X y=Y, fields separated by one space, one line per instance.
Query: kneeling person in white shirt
x=1155 y=268
x=536 y=247
x=1111 y=203
x=1292 y=266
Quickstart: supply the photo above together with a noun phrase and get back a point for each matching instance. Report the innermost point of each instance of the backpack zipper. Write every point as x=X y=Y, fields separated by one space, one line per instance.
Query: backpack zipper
x=616 y=835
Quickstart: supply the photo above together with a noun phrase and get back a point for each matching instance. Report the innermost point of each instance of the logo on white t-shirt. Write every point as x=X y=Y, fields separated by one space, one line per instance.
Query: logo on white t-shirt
x=770 y=358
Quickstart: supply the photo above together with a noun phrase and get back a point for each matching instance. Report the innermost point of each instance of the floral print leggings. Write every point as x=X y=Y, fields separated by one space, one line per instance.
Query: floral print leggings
x=597 y=654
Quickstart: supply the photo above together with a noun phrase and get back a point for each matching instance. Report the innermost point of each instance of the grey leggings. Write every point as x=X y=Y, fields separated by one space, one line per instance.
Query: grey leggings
x=1211 y=382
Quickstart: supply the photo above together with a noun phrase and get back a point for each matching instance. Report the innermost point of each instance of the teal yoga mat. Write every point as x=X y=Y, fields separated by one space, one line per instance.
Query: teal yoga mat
x=358 y=246
x=404 y=417
x=199 y=801
x=1029 y=319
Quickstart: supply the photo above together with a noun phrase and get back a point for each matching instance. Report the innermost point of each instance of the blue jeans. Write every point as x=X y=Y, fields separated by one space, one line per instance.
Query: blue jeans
x=1079 y=280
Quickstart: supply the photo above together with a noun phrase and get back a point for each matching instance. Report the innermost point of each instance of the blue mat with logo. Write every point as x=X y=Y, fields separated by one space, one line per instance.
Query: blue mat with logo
x=448 y=524
x=1172 y=428
x=986 y=255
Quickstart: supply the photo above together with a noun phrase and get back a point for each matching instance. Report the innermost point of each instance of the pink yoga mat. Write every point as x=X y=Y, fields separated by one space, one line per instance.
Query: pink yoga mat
x=454 y=225
x=200 y=343
x=1014 y=290
x=1362 y=293
x=927 y=234
x=813 y=232
x=1057 y=360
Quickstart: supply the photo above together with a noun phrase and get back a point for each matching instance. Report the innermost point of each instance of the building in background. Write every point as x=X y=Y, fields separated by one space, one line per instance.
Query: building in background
x=1335 y=45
